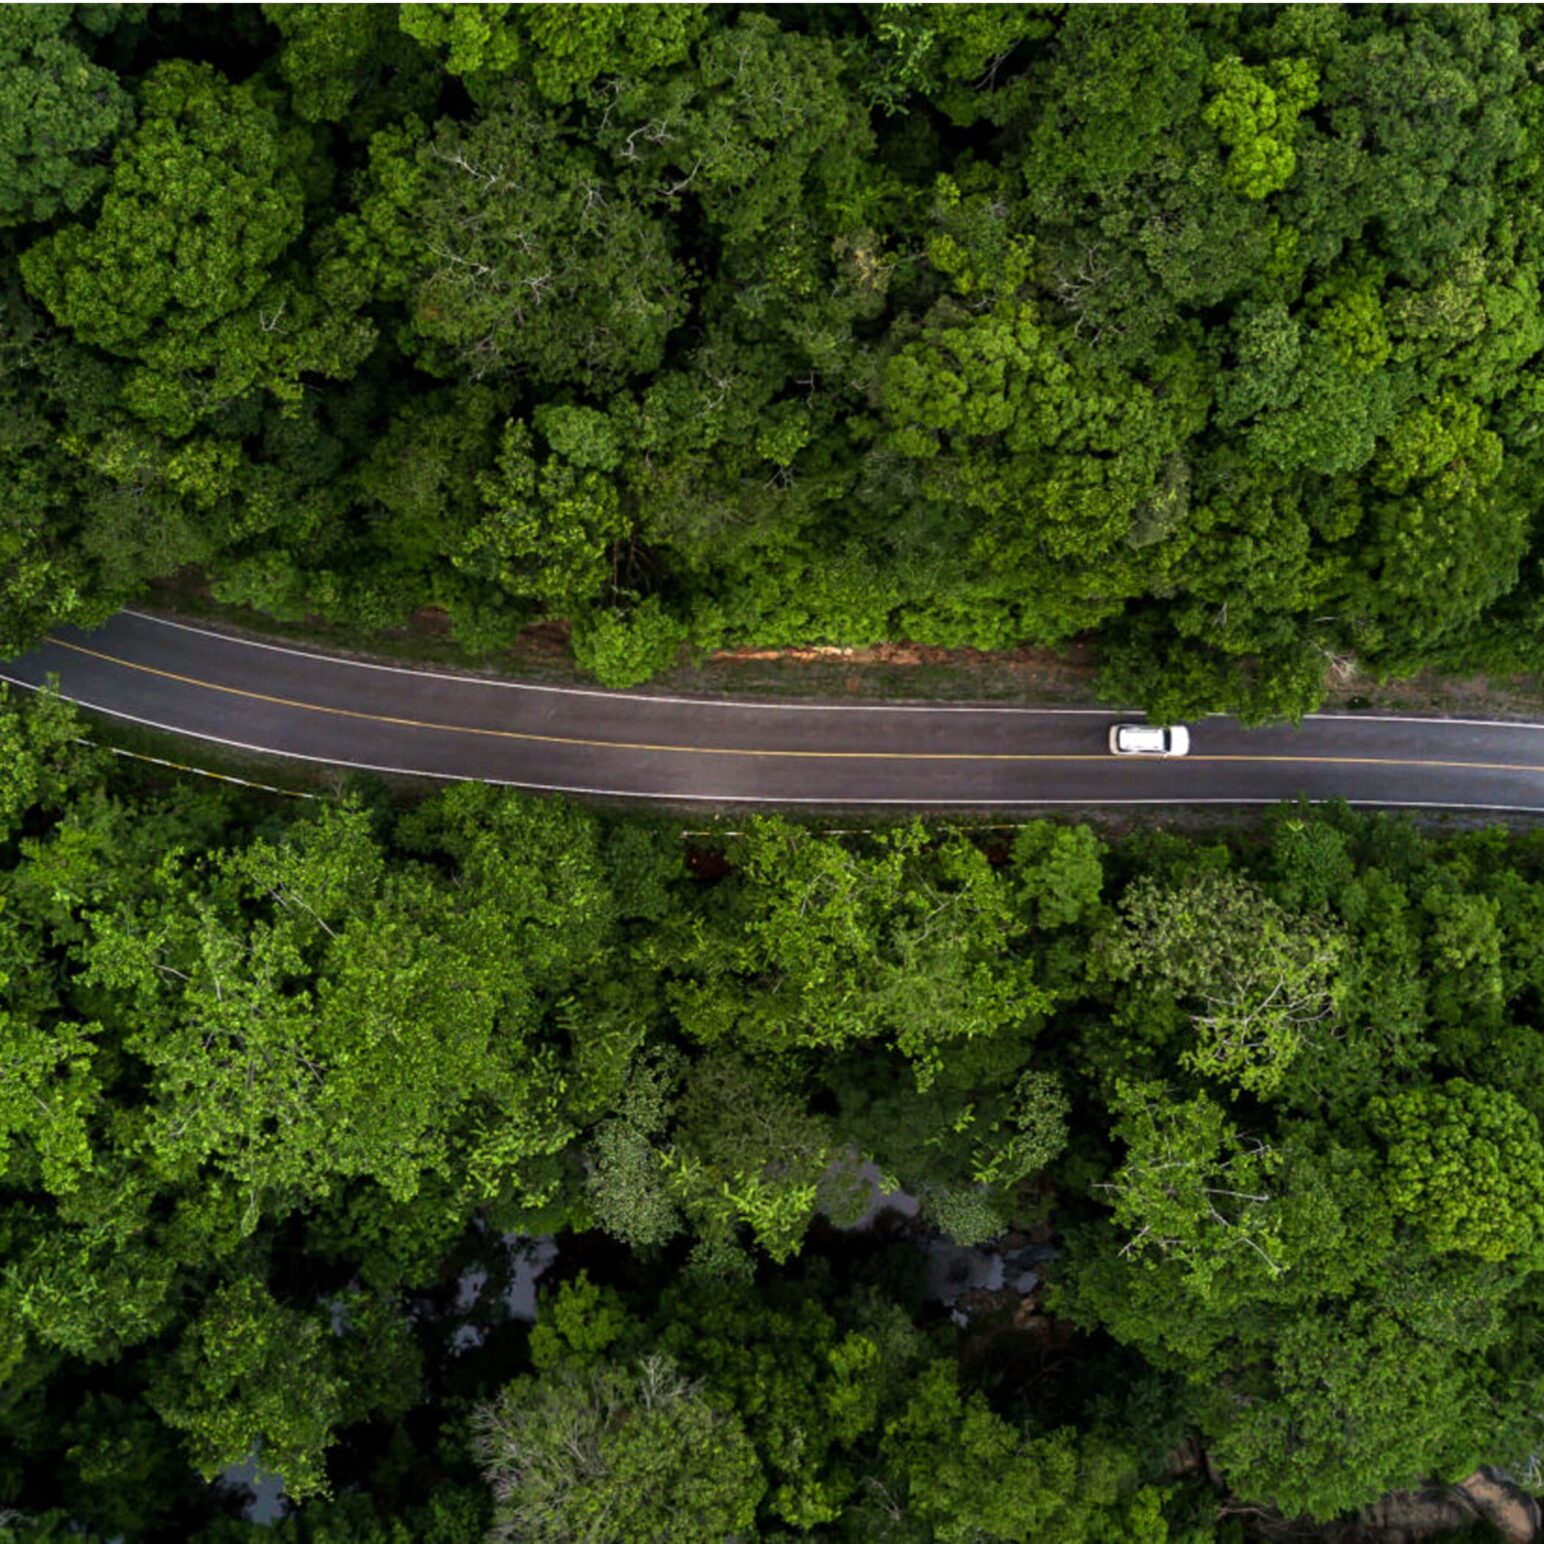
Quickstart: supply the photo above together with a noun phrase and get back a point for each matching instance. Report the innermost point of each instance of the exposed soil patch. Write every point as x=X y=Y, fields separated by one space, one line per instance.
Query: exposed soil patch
x=1075 y=660
x=901 y=670
x=430 y=621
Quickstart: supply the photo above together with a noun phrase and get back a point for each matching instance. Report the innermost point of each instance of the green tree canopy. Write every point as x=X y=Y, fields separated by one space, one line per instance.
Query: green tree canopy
x=181 y=270
x=58 y=112
x=615 y=1454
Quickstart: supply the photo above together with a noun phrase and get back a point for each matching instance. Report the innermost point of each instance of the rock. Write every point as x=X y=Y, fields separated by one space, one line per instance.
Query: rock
x=1512 y=1511
x=1411 y=1517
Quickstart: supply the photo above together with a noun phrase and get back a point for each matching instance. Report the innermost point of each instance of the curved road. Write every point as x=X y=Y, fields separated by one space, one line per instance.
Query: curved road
x=284 y=701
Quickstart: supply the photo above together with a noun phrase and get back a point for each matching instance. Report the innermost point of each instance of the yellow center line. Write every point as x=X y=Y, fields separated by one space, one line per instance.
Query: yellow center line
x=715 y=750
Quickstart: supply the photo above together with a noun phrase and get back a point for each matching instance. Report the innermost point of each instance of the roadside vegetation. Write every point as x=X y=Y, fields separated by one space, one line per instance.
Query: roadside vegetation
x=1201 y=343
x=1207 y=335
x=280 y=1081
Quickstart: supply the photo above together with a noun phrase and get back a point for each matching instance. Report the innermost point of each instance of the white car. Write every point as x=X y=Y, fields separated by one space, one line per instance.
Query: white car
x=1149 y=740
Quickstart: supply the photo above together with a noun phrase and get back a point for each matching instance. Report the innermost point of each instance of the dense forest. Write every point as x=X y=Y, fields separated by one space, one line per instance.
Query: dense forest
x=282 y=1083
x=480 y=1167
x=1207 y=333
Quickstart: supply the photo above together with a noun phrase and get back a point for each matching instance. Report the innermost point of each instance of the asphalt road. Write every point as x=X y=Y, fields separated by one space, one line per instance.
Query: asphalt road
x=297 y=703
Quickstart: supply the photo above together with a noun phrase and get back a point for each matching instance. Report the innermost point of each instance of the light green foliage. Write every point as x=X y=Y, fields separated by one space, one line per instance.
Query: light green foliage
x=1357 y=1406
x=961 y=386
x=627 y=1184
x=533 y=868
x=1056 y=454
x=1260 y=982
x=810 y=1395
x=587 y=438
x=746 y=1150
x=577 y=1325
x=1192 y=1188
x=47 y=1094
x=416 y=1011
x=108 y=283
x=1254 y=113
x=1450 y=517
x=1311 y=859
x=250 y=1375
x=546 y=529
x=625 y=648
x=944 y=1445
x=38 y=755
x=87 y=1290
x=1465 y=1166
x=831 y=946
x=967 y=1214
x=58 y=113
x=1329 y=417
x=1464 y=947
x=474 y=37
x=1350 y=315
x=1059 y=870
x=562 y=48
x=615 y=1456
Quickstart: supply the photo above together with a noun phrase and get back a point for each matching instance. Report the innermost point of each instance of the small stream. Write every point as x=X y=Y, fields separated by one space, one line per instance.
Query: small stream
x=526 y=1259
x=267 y=1504
x=953 y=1273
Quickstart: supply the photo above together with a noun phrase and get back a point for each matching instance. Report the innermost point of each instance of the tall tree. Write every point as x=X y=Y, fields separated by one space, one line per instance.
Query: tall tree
x=181 y=271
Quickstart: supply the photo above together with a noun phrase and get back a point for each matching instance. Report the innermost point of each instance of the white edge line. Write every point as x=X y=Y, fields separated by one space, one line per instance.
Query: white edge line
x=1411 y=718
x=1350 y=716
x=751 y=798
x=707 y=701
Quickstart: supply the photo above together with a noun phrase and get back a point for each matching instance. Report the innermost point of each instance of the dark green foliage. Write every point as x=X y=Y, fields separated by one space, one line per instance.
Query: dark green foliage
x=182 y=272
x=1211 y=337
x=58 y=112
x=514 y=250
